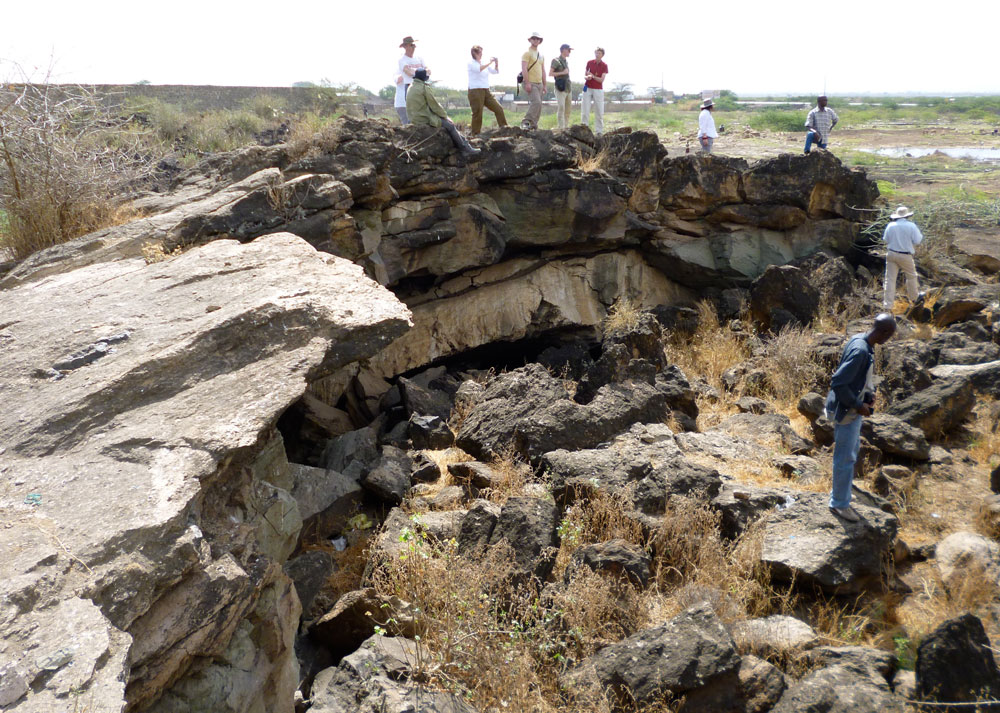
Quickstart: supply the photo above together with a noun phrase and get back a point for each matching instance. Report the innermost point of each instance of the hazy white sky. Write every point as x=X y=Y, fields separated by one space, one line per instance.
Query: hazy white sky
x=776 y=46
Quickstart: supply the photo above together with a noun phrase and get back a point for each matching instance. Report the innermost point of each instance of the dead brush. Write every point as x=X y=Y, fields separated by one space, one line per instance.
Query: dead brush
x=600 y=517
x=970 y=589
x=623 y=317
x=596 y=161
x=792 y=370
x=709 y=351
x=513 y=473
x=984 y=444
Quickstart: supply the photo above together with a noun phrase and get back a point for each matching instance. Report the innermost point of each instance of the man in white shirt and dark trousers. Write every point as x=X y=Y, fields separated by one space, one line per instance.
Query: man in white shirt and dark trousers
x=706 y=127
x=901 y=238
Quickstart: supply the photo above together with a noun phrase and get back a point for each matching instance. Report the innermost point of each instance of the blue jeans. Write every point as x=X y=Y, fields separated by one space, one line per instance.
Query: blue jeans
x=846 y=442
x=810 y=138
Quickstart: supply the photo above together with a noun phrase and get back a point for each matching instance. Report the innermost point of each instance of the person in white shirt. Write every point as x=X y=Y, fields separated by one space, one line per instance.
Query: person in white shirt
x=479 y=90
x=407 y=65
x=706 y=127
x=901 y=238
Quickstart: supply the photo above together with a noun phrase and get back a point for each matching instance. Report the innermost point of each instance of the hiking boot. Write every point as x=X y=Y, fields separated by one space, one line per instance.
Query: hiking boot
x=471 y=152
x=848 y=513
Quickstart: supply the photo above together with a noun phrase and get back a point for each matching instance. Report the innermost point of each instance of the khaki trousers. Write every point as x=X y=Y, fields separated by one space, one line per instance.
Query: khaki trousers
x=478 y=98
x=563 y=102
x=534 y=106
x=894 y=264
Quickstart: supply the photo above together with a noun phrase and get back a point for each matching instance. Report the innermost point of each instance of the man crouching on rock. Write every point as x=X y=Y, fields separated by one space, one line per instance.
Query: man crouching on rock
x=423 y=110
x=851 y=397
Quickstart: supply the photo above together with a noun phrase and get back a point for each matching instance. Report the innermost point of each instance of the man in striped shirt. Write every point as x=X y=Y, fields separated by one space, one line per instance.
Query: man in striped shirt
x=818 y=124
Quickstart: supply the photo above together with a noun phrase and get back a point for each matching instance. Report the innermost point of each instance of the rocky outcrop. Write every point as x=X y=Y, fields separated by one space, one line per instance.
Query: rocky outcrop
x=153 y=507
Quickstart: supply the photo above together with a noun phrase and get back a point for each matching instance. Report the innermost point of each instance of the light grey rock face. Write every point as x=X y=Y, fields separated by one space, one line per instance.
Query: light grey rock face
x=892 y=435
x=139 y=468
x=941 y=407
x=804 y=541
x=961 y=552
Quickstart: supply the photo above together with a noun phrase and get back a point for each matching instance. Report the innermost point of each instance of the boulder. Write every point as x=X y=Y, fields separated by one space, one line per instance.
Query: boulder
x=840 y=689
x=774 y=636
x=477 y=527
x=894 y=436
x=389 y=477
x=742 y=504
x=876 y=663
x=197 y=364
x=977 y=250
x=955 y=304
x=783 y=287
x=528 y=526
x=507 y=400
x=806 y=543
x=475 y=476
x=955 y=663
x=938 y=409
x=401 y=531
x=761 y=685
x=325 y=498
x=565 y=424
x=692 y=655
x=960 y=552
x=353 y=619
x=643 y=467
x=429 y=432
x=381 y=677
x=904 y=368
x=309 y=572
x=618 y=558
x=985 y=378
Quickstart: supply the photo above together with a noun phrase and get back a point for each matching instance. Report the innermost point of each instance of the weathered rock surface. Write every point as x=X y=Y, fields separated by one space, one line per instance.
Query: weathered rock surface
x=379 y=678
x=776 y=635
x=617 y=558
x=938 y=409
x=643 y=467
x=985 y=377
x=840 y=689
x=173 y=391
x=893 y=435
x=806 y=542
x=691 y=655
x=955 y=663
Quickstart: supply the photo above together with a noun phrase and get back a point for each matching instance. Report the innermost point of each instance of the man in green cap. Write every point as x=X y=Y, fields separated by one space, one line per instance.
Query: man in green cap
x=424 y=110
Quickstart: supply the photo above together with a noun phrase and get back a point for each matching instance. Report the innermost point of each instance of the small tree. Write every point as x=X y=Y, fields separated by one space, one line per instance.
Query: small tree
x=65 y=164
x=387 y=92
x=620 y=90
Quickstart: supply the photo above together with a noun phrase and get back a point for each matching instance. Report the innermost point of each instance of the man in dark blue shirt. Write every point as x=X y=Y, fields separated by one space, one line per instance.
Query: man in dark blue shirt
x=852 y=397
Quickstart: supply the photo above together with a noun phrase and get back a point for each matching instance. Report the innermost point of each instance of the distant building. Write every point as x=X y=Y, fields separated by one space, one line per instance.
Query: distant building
x=710 y=94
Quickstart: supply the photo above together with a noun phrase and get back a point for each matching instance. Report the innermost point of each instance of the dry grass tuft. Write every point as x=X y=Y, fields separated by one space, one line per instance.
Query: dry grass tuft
x=985 y=443
x=155 y=252
x=623 y=317
x=709 y=351
x=792 y=370
x=514 y=474
x=595 y=162
x=971 y=590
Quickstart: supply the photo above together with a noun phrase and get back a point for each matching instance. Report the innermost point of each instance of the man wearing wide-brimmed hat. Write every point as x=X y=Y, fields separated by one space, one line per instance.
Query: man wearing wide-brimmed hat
x=901 y=238
x=533 y=70
x=706 y=127
x=408 y=64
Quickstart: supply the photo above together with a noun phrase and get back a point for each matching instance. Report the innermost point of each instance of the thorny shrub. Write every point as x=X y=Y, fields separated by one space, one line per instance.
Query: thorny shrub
x=65 y=162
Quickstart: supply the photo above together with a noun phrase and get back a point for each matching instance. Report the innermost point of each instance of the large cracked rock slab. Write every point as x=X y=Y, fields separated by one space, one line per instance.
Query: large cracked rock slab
x=807 y=544
x=137 y=401
x=643 y=467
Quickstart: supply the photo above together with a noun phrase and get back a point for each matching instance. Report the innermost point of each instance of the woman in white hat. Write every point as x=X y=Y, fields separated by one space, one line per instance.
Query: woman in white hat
x=901 y=238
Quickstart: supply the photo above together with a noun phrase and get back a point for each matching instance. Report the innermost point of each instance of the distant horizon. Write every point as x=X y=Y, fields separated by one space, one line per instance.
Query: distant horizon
x=730 y=44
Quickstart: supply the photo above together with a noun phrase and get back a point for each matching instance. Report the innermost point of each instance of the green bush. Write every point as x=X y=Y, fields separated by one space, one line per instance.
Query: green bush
x=266 y=106
x=778 y=120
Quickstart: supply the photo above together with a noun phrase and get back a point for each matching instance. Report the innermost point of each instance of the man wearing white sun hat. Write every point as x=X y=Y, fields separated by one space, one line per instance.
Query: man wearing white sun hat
x=901 y=238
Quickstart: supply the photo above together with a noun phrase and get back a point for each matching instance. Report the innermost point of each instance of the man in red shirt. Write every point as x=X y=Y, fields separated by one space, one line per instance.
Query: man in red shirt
x=593 y=91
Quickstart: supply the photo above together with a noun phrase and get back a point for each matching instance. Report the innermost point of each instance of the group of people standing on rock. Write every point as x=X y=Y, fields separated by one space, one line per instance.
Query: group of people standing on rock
x=420 y=106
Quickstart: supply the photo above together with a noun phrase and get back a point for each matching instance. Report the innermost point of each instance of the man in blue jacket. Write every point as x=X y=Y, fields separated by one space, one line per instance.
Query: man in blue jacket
x=851 y=397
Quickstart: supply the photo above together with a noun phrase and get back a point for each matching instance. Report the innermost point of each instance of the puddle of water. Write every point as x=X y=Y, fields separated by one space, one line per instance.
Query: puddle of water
x=976 y=154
